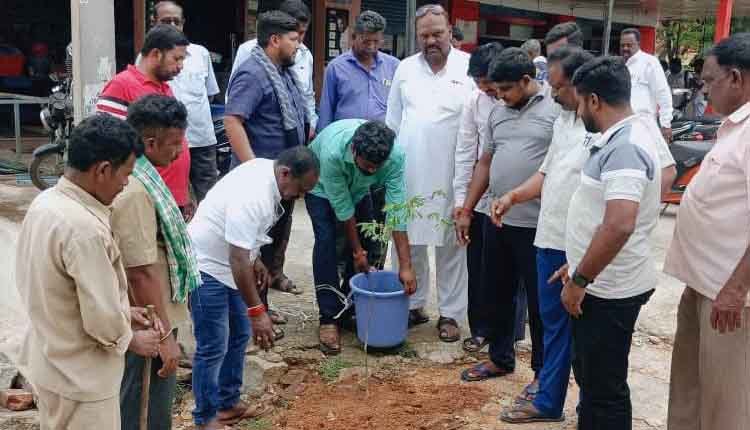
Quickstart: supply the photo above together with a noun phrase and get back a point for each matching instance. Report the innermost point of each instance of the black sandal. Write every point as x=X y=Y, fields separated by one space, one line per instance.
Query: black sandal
x=475 y=344
x=417 y=317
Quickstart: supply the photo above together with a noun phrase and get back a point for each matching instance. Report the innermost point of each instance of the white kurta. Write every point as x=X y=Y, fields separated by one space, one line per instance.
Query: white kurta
x=424 y=108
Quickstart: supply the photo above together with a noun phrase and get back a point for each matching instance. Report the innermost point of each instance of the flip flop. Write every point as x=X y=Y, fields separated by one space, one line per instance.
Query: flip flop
x=481 y=373
x=444 y=335
x=475 y=344
x=529 y=392
x=525 y=412
x=252 y=411
x=285 y=285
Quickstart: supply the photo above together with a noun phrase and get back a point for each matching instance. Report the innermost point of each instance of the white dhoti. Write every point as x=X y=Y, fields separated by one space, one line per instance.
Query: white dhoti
x=452 y=278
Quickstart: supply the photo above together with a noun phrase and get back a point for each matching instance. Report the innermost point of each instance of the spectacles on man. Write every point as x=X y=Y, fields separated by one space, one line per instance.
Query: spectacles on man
x=171 y=21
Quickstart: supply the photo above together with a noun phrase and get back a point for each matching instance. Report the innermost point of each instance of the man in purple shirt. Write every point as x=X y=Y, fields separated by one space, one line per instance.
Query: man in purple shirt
x=357 y=82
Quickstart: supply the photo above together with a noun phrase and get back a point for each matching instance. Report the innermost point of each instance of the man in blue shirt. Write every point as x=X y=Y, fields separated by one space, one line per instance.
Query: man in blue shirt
x=357 y=82
x=265 y=115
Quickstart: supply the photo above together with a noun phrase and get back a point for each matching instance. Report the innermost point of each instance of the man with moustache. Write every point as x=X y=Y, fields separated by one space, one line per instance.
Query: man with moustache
x=709 y=253
x=473 y=134
x=162 y=56
x=521 y=133
x=156 y=253
x=610 y=273
x=555 y=182
x=424 y=109
x=265 y=115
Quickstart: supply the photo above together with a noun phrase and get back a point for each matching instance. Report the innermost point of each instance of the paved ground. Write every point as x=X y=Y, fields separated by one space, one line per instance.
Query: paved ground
x=649 y=360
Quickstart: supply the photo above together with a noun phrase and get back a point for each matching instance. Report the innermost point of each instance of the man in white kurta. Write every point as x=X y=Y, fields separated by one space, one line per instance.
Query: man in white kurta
x=424 y=108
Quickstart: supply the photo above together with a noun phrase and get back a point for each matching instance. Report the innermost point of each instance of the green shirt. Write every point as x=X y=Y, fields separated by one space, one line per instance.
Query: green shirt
x=342 y=183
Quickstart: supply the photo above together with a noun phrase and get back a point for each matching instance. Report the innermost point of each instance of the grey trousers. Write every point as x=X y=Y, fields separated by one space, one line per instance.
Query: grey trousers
x=161 y=395
x=203 y=170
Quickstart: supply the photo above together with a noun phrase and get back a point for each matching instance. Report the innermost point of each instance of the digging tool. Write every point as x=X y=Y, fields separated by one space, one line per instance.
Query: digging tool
x=146 y=386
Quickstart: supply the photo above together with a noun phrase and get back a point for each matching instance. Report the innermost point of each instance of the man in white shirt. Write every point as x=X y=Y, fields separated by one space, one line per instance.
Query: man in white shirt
x=424 y=109
x=610 y=219
x=472 y=137
x=227 y=233
x=195 y=84
x=650 y=93
x=303 y=60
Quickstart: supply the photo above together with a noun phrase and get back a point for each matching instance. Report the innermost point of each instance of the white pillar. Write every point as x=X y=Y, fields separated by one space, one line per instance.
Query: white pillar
x=93 y=31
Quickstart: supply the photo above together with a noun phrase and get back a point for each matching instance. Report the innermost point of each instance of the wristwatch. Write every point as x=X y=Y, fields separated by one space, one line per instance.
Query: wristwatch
x=580 y=280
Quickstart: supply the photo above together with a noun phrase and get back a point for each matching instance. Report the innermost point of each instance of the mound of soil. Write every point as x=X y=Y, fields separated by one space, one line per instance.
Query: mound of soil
x=432 y=400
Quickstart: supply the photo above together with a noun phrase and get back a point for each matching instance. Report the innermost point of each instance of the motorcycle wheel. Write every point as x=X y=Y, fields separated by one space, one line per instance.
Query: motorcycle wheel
x=46 y=169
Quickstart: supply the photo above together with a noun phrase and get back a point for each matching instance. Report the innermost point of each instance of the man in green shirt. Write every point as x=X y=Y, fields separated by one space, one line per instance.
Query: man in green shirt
x=354 y=156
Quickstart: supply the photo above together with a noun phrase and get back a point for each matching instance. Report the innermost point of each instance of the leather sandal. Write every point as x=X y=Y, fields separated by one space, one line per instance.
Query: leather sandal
x=330 y=341
x=445 y=327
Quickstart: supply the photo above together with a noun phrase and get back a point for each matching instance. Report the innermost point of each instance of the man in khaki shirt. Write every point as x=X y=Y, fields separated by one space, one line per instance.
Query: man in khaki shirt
x=161 y=121
x=70 y=276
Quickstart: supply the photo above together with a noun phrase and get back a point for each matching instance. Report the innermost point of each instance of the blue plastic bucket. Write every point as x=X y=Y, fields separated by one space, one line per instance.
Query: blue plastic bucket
x=382 y=309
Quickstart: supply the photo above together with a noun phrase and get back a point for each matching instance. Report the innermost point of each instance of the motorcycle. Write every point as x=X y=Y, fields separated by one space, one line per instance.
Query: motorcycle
x=48 y=161
x=223 y=148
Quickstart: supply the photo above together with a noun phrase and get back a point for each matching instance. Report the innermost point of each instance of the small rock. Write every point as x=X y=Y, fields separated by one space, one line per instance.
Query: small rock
x=252 y=348
x=292 y=391
x=331 y=416
x=272 y=357
x=390 y=360
x=259 y=372
x=16 y=400
x=298 y=357
x=351 y=372
x=441 y=357
x=293 y=377
x=24 y=420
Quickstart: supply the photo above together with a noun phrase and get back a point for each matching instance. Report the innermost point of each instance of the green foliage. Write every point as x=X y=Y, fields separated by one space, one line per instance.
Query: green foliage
x=402 y=213
x=330 y=368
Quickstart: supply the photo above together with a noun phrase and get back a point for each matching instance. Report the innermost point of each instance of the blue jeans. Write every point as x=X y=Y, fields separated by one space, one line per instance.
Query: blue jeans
x=222 y=330
x=553 y=378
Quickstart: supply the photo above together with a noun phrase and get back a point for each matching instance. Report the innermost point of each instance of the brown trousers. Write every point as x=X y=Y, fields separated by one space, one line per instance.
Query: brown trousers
x=710 y=381
x=58 y=413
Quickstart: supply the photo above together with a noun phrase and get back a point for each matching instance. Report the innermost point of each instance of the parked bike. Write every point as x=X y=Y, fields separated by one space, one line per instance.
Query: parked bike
x=48 y=161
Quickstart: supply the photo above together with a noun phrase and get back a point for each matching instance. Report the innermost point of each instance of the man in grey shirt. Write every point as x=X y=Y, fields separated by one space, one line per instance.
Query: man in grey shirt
x=521 y=131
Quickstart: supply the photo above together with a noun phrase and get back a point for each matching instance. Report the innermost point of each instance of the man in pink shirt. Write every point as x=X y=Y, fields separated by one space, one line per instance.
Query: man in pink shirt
x=710 y=253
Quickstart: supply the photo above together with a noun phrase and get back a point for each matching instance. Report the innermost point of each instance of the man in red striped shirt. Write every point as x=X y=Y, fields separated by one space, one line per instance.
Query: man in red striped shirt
x=164 y=50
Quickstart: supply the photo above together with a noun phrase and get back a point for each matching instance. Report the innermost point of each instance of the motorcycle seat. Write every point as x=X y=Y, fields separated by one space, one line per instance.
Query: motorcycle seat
x=690 y=152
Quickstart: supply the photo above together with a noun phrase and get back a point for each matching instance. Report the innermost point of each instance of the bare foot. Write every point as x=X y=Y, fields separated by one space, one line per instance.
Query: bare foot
x=239 y=412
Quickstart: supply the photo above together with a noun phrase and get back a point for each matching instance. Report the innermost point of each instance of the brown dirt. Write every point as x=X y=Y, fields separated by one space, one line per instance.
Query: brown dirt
x=423 y=400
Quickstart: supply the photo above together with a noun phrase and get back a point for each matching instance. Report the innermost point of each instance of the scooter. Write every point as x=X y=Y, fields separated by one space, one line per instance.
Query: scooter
x=688 y=156
x=223 y=148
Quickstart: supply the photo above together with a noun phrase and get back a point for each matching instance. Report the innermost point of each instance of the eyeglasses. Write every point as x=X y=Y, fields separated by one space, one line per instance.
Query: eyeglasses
x=434 y=9
x=171 y=21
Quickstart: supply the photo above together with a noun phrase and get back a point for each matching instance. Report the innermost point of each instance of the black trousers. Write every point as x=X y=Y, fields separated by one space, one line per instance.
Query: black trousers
x=203 y=171
x=510 y=258
x=480 y=309
x=273 y=255
x=601 y=343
